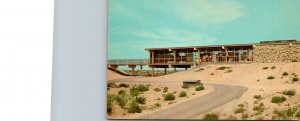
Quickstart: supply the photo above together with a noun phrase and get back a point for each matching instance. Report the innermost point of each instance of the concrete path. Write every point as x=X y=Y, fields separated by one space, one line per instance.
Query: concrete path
x=192 y=108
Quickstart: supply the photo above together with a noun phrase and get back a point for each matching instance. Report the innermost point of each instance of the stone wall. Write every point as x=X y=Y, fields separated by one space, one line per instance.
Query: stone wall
x=276 y=52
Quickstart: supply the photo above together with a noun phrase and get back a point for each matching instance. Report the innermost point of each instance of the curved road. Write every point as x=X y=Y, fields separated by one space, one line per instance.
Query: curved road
x=192 y=108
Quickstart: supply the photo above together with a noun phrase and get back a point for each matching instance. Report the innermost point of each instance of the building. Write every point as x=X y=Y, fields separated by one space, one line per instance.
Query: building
x=186 y=57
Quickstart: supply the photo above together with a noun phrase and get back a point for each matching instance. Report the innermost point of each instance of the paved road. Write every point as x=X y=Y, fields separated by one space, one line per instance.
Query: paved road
x=192 y=108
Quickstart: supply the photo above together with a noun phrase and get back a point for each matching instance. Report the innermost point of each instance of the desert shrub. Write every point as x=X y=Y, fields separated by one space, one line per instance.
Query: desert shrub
x=273 y=67
x=157 y=105
x=121 y=99
x=134 y=92
x=169 y=96
x=241 y=105
x=244 y=116
x=185 y=86
x=199 y=88
x=182 y=94
x=211 y=116
x=110 y=101
x=278 y=99
x=264 y=68
x=121 y=92
x=228 y=71
x=148 y=85
x=257 y=97
x=142 y=88
x=165 y=89
x=222 y=68
x=239 y=110
x=231 y=117
x=295 y=79
x=259 y=108
x=136 y=89
x=260 y=118
x=157 y=89
x=279 y=115
x=111 y=85
x=124 y=85
x=141 y=100
x=271 y=77
x=134 y=107
x=285 y=74
x=289 y=92
x=211 y=73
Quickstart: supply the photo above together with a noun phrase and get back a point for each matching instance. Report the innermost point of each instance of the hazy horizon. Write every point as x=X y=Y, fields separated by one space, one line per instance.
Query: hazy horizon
x=134 y=25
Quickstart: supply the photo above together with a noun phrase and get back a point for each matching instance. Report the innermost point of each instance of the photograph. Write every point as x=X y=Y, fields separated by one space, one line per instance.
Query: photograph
x=203 y=59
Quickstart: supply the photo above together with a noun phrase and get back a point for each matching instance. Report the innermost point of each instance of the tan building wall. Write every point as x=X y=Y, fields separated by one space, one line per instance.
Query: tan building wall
x=276 y=52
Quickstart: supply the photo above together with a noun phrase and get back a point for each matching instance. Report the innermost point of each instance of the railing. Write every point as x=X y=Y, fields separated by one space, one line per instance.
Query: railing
x=128 y=62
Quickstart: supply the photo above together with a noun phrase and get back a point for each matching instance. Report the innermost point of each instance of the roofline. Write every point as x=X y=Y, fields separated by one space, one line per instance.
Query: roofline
x=208 y=46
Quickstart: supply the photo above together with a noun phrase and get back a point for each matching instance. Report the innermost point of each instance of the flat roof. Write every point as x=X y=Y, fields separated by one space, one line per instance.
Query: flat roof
x=230 y=45
x=202 y=47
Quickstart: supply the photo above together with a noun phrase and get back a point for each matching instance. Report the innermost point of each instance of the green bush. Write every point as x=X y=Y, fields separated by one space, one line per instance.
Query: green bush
x=278 y=99
x=134 y=108
x=121 y=99
x=157 y=89
x=273 y=67
x=239 y=110
x=264 y=68
x=289 y=92
x=185 y=86
x=182 y=94
x=199 y=88
x=165 y=89
x=109 y=103
x=169 y=96
x=136 y=89
x=295 y=79
x=285 y=74
x=271 y=77
x=124 y=85
x=211 y=116
x=141 y=100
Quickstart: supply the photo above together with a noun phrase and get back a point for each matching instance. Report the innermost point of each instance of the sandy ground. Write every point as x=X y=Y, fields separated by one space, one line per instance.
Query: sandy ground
x=251 y=76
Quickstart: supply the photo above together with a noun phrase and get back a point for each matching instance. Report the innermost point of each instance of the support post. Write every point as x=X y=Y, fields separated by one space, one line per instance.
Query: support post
x=174 y=56
x=132 y=71
x=199 y=54
x=174 y=69
x=185 y=68
x=152 y=71
x=152 y=58
x=141 y=69
x=226 y=54
x=165 y=71
x=132 y=68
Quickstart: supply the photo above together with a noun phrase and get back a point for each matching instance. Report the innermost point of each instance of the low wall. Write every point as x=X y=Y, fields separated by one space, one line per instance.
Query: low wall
x=276 y=52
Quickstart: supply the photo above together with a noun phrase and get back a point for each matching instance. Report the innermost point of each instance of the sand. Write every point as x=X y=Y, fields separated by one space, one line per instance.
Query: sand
x=251 y=76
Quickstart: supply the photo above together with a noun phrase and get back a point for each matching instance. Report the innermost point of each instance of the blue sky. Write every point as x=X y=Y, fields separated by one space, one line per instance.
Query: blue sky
x=134 y=25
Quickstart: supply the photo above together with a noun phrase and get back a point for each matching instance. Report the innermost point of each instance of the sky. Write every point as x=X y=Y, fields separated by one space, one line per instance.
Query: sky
x=134 y=25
